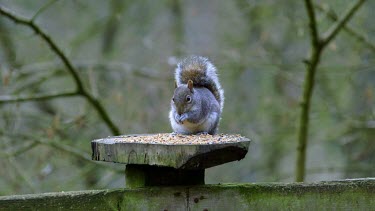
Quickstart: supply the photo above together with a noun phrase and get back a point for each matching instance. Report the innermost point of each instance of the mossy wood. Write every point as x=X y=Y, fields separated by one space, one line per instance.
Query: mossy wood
x=335 y=195
x=151 y=164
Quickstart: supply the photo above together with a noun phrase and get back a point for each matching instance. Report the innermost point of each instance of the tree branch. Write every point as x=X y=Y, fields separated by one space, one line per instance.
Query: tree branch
x=333 y=31
x=38 y=97
x=21 y=173
x=308 y=88
x=19 y=151
x=112 y=26
x=73 y=72
x=8 y=46
x=75 y=152
x=312 y=23
x=48 y=40
x=44 y=7
x=317 y=47
x=361 y=38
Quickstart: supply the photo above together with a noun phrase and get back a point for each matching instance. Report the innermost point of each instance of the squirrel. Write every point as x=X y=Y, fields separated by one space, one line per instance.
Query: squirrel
x=198 y=98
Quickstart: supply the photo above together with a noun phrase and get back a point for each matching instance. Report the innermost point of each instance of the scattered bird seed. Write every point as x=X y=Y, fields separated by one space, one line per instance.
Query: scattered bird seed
x=170 y=139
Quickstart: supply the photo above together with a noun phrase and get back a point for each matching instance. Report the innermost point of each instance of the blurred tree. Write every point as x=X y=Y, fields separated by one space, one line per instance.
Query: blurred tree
x=318 y=43
x=73 y=71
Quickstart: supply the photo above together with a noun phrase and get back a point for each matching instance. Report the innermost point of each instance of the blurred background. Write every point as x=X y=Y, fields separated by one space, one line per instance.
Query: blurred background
x=125 y=53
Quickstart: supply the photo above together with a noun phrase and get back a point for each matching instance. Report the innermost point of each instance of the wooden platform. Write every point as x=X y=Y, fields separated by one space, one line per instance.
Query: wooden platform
x=167 y=159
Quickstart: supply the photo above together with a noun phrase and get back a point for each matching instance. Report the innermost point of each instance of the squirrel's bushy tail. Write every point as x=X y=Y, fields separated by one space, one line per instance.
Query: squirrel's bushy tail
x=203 y=74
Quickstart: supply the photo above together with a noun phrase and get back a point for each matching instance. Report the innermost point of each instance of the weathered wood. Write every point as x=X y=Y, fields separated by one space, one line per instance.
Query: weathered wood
x=146 y=175
x=179 y=156
x=336 y=195
x=156 y=163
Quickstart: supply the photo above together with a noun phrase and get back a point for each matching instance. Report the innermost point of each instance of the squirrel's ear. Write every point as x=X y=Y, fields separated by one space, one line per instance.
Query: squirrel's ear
x=175 y=84
x=190 y=85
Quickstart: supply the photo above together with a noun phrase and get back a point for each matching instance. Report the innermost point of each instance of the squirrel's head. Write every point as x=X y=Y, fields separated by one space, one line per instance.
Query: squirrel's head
x=183 y=97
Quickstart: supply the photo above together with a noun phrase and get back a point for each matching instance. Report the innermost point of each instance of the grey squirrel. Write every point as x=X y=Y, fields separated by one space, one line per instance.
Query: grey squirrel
x=198 y=99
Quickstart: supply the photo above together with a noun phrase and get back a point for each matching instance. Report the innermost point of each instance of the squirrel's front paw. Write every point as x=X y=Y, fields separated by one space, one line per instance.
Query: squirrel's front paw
x=177 y=118
x=183 y=117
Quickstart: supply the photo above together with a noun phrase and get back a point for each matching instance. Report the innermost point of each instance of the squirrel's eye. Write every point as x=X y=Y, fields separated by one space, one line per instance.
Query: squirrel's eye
x=173 y=99
x=188 y=99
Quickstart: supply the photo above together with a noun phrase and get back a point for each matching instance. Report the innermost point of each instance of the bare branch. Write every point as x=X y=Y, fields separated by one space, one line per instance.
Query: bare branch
x=48 y=40
x=44 y=7
x=21 y=173
x=75 y=152
x=38 y=97
x=73 y=72
x=317 y=47
x=31 y=83
x=312 y=23
x=8 y=46
x=308 y=88
x=17 y=152
x=361 y=38
x=333 y=31
x=112 y=26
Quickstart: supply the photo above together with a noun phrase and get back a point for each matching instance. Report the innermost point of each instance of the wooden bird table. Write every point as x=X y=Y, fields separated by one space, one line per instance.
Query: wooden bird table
x=166 y=159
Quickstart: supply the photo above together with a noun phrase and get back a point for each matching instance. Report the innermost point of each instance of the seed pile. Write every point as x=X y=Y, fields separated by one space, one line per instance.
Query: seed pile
x=170 y=139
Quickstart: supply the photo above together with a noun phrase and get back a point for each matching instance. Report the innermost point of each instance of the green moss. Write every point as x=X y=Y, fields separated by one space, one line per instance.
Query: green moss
x=347 y=195
x=271 y=196
x=156 y=198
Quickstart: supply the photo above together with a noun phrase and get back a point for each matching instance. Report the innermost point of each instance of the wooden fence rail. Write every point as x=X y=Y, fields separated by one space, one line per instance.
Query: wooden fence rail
x=358 y=194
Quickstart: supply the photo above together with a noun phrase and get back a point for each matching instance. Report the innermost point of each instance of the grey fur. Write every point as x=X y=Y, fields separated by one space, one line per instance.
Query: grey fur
x=208 y=77
x=202 y=113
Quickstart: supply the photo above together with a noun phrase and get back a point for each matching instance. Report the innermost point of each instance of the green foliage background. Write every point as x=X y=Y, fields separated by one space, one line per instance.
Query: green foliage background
x=126 y=51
